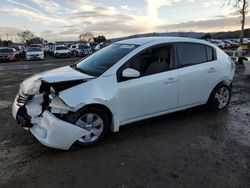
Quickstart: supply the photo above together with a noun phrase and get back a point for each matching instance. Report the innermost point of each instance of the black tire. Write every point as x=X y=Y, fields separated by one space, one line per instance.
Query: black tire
x=73 y=117
x=241 y=59
x=220 y=101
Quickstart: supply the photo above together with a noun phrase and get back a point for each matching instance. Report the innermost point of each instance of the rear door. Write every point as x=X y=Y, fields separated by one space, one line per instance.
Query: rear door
x=198 y=73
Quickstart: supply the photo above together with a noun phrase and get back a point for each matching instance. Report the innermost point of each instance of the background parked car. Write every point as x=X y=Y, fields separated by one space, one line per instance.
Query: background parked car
x=20 y=51
x=72 y=48
x=68 y=44
x=8 y=54
x=101 y=45
x=61 y=51
x=82 y=50
x=228 y=44
x=93 y=45
x=232 y=43
x=46 y=49
x=34 y=53
x=218 y=43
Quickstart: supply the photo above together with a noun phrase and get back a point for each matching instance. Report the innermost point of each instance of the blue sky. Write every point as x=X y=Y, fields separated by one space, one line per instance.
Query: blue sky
x=66 y=19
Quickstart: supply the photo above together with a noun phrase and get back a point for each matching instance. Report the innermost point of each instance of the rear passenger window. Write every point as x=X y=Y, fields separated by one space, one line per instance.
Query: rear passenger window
x=193 y=53
x=210 y=53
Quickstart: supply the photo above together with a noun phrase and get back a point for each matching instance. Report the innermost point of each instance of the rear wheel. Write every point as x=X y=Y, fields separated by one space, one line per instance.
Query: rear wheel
x=93 y=120
x=220 y=97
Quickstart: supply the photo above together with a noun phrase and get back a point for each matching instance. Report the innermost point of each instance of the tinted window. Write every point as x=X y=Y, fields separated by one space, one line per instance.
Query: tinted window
x=191 y=54
x=102 y=60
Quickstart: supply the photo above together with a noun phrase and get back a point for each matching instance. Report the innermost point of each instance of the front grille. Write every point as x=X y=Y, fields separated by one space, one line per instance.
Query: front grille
x=21 y=98
x=63 y=54
x=34 y=55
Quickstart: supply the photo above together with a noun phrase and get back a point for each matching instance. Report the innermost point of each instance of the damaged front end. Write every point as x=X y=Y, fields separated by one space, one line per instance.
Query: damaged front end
x=41 y=96
x=37 y=107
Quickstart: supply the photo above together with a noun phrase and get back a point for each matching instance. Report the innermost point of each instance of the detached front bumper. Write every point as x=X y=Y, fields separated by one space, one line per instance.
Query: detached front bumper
x=55 y=133
x=51 y=131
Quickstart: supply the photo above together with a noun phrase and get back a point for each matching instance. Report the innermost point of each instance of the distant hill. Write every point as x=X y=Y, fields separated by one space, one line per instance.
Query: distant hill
x=231 y=34
x=198 y=35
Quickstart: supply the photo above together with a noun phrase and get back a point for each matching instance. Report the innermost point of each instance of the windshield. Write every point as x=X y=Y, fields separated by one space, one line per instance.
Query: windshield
x=97 y=63
x=34 y=50
x=61 y=48
x=83 y=46
x=6 y=50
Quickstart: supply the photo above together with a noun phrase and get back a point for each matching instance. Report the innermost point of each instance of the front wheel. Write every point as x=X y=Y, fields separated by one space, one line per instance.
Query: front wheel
x=93 y=120
x=220 y=98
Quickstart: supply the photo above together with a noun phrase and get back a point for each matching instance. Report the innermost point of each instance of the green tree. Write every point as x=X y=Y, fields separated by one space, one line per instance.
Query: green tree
x=28 y=38
x=100 y=38
x=35 y=40
x=207 y=36
x=86 y=37
x=25 y=36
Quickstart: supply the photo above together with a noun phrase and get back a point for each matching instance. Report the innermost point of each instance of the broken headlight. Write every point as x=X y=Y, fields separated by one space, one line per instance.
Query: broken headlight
x=57 y=106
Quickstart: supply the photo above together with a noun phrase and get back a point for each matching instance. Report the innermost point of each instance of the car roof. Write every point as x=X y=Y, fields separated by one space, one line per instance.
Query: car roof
x=5 y=48
x=34 y=47
x=144 y=40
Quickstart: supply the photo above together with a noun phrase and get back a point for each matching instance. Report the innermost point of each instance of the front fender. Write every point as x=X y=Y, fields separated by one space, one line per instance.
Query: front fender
x=102 y=90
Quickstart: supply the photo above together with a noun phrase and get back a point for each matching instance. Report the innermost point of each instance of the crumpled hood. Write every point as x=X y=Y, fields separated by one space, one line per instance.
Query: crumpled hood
x=32 y=84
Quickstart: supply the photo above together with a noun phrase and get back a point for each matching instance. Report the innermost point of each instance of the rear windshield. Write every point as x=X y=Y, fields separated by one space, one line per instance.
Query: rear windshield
x=6 y=50
x=97 y=63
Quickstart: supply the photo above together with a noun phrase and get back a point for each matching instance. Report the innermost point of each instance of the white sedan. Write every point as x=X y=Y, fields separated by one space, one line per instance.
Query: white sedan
x=125 y=82
x=61 y=51
x=34 y=53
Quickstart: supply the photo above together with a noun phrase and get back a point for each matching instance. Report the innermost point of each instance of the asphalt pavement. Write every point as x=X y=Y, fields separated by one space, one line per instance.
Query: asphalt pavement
x=191 y=148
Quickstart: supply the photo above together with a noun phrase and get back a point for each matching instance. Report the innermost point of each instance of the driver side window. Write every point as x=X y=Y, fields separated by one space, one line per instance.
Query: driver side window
x=152 y=61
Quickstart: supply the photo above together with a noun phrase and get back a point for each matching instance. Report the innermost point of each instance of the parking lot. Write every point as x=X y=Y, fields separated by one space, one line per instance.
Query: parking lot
x=191 y=148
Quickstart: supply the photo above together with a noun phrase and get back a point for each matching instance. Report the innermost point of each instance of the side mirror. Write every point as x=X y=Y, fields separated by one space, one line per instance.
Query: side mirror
x=130 y=73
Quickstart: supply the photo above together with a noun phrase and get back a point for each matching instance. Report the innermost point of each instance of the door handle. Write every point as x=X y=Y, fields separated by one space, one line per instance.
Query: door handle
x=211 y=70
x=170 y=80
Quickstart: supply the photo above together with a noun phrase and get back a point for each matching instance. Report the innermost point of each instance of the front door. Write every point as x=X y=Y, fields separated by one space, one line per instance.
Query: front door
x=155 y=91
